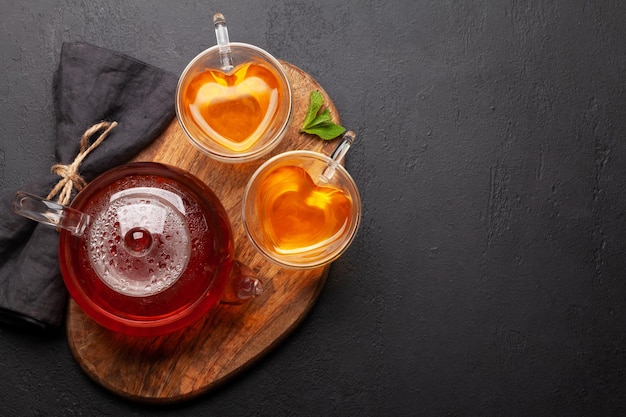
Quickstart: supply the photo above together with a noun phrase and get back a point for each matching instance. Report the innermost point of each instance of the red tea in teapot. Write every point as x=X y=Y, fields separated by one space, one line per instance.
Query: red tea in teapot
x=235 y=109
x=145 y=248
x=298 y=215
x=157 y=246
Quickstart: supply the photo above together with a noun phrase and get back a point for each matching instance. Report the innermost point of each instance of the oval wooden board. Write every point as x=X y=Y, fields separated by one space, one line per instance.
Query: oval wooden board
x=230 y=338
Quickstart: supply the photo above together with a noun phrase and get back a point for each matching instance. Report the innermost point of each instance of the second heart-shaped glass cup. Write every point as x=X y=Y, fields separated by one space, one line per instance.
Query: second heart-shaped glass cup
x=301 y=209
x=234 y=114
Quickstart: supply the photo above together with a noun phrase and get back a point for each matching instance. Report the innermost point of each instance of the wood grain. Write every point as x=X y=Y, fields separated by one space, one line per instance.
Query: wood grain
x=230 y=338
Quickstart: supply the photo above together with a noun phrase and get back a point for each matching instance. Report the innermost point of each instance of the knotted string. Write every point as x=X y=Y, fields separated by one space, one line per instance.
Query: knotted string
x=70 y=178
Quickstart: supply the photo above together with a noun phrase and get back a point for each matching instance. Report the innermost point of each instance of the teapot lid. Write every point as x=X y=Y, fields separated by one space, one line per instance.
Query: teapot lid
x=139 y=244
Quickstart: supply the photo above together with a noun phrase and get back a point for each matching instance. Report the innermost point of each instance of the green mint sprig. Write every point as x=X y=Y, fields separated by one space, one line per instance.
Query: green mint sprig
x=320 y=124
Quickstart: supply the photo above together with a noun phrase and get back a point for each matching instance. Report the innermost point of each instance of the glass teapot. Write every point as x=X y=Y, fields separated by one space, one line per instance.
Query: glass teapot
x=145 y=249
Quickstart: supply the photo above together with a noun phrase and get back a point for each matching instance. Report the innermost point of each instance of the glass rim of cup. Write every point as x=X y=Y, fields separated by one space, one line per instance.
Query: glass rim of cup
x=287 y=261
x=245 y=156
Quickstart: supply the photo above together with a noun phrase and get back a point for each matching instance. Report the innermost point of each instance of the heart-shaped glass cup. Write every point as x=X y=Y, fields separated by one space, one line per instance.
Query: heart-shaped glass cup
x=301 y=209
x=235 y=113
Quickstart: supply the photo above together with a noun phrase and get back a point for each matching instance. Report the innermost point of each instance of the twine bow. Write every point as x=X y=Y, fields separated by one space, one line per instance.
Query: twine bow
x=70 y=178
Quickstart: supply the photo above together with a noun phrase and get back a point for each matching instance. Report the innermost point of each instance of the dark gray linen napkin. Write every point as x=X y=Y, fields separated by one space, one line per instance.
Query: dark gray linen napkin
x=92 y=84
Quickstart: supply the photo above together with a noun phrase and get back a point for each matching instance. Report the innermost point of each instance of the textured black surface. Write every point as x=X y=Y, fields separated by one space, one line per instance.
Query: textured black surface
x=488 y=277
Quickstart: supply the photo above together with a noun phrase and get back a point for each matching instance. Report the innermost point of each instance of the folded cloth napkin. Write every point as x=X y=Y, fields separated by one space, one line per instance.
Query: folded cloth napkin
x=92 y=84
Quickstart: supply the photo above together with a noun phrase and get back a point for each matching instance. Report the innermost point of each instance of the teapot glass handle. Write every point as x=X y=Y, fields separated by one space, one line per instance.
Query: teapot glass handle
x=50 y=213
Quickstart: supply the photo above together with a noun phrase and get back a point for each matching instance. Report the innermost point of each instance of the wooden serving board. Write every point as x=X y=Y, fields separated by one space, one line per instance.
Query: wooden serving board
x=230 y=338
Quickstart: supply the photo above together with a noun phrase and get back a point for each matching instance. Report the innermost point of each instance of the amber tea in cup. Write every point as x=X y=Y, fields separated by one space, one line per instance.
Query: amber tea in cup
x=302 y=209
x=233 y=100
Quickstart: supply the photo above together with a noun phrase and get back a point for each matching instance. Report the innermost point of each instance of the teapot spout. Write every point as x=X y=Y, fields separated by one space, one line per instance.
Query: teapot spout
x=242 y=285
x=50 y=213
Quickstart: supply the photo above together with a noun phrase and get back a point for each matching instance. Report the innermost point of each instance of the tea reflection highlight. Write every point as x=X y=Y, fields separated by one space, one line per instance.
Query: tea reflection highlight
x=299 y=216
x=234 y=109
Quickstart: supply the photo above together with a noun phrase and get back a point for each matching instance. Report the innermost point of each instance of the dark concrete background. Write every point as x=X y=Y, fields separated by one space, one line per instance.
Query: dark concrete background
x=488 y=277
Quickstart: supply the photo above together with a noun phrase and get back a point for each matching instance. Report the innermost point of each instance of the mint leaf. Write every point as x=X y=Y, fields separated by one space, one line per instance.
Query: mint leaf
x=322 y=118
x=315 y=104
x=326 y=131
x=320 y=124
